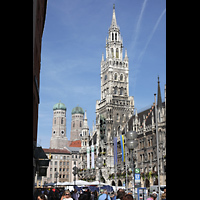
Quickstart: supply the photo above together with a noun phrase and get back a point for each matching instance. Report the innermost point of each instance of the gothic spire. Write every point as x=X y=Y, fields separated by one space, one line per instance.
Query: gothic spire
x=159 y=99
x=114 y=21
x=85 y=123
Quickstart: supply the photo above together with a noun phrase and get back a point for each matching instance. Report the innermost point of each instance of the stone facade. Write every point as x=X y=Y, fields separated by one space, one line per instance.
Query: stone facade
x=116 y=106
x=76 y=123
x=59 y=138
x=61 y=161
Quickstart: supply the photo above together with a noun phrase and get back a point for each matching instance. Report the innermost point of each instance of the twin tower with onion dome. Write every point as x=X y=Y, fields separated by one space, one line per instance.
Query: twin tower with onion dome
x=79 y=121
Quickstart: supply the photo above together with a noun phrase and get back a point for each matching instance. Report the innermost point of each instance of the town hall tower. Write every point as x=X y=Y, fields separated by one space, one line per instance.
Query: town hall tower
x=115 y=106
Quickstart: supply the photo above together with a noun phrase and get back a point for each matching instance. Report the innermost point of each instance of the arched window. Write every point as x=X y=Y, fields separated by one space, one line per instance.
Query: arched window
x=62 y=120
x=115 y=76
x=119 y=183
x=112 y=36
x=73 y=124
x=80 y=124
x=115 y=90
x=117 y=53
x=112 y=52
x=115 y=36
x=121 y=77
x=121 y=91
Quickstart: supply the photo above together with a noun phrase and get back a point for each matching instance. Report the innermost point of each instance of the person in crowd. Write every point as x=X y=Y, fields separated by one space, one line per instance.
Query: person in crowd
x=42 y=197
x=95 y=195
x=92 y=195
x=128 y=197
x=85 y=195
x=101 y=192
x=75 y=195
x=81 y=197
x=105 y=195
x=151 y=197
x=66 y=196
x=120 y=194
x=88 y=194
x=163 y=196
x=154 y=196
x=113 y=196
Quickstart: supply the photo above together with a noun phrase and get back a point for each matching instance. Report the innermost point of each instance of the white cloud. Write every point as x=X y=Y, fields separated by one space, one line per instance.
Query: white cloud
x=151 y=35
x=138 y=26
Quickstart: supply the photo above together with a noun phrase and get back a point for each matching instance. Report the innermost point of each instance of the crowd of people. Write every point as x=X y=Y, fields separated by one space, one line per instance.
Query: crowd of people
x=61 y=194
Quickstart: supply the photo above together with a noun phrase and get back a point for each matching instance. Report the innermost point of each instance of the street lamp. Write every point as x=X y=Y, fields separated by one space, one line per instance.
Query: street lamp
x=99 y=164
x=131 y=143
x=56 y=175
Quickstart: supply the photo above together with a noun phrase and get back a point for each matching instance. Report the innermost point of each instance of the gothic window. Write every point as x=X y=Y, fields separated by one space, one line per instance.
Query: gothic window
x=112 y=36
x=80 y=124
x=115 y=76
x=117 y=53
x=54 y=120
x=117 y=116
x=121 y=77
x=115 y=90
x=105 y=77
x=62 y=120
x=115 y=36
x=73 y=124
x=112 y=52
x=121 y=91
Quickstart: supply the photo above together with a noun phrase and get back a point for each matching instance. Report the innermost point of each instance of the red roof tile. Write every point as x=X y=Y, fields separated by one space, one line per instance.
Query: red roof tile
x=76 y=143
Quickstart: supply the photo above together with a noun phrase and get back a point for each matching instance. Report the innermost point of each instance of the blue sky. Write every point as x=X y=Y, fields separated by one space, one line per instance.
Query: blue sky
x=73 y=41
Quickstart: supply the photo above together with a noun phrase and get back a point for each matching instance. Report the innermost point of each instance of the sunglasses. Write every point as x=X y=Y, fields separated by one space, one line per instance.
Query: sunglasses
x=66 y=194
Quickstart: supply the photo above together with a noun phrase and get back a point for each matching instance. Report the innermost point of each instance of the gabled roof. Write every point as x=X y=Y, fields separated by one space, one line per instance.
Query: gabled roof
x=148 y=117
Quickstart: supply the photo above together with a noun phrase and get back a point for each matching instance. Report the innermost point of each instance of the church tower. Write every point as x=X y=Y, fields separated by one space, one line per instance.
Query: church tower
x=59 y=138
x=115 y=106
x=76 y=123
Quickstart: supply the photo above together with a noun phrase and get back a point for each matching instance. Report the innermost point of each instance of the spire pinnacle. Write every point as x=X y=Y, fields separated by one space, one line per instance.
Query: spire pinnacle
x=85 y=118
x=126 y=53
x=114 y=21
x=159 y=100
x=102 y=59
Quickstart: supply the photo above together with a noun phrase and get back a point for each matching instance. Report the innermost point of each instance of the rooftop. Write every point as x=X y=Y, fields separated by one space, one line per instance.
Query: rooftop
x=60 y=151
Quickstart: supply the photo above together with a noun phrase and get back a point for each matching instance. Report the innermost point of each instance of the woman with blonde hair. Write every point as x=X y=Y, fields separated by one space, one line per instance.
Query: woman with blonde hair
x=66 y=196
